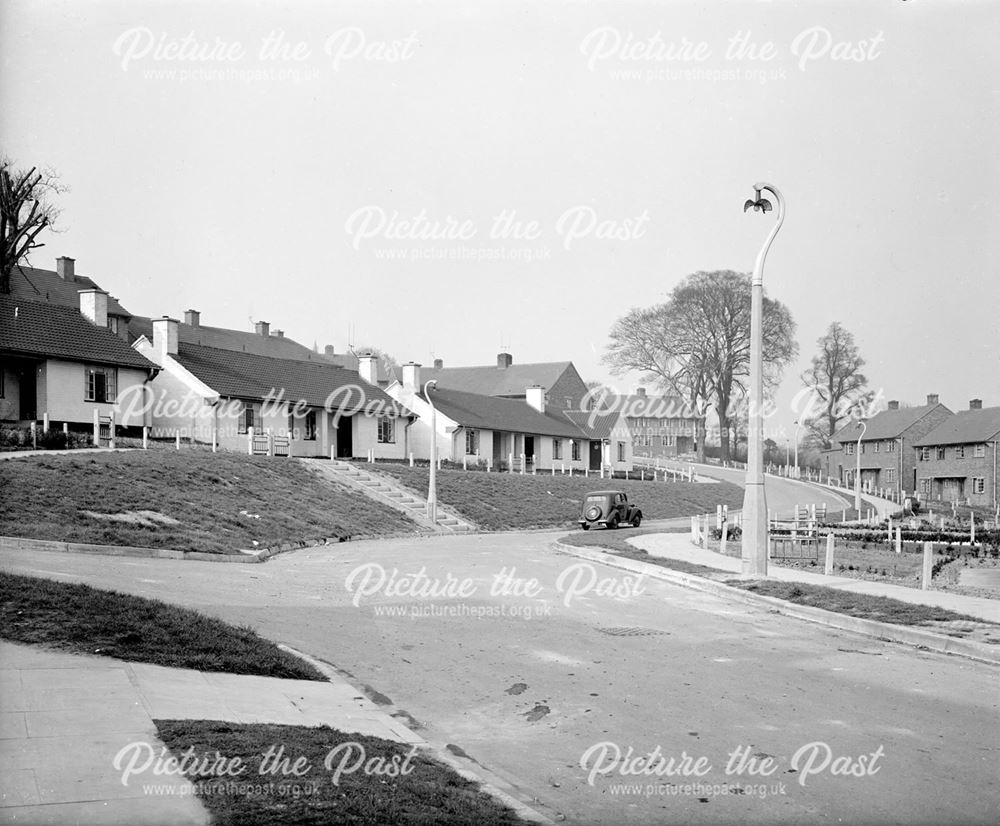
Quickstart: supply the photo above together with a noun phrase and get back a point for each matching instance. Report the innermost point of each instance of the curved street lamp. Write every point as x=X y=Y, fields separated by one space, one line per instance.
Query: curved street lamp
x=754 y=543
x=432 y=482
x=798 y=424
x=857 y=471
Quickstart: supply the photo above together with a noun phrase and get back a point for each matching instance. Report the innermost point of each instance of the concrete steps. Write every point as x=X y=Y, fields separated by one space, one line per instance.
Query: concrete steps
x=386 y=490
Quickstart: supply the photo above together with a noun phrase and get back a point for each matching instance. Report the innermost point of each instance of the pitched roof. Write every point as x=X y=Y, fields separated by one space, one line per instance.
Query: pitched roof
x=602 y=426
x=497 y=381
x=965 y=427
x=644 y=405
x=39 y=329
x=251 y=376
x=47 y=286
x=492 y=413
x=888 y=424
x=241 y=341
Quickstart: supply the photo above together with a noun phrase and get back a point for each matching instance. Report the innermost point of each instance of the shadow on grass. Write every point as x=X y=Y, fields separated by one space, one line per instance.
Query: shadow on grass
x=429 y=792
x=85 y=620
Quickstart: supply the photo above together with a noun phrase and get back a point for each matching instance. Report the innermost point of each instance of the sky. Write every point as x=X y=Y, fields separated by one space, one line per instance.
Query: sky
x=449 y=179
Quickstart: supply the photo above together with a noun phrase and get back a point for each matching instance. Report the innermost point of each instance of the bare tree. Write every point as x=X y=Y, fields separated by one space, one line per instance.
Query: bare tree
x=698 y=343
x=837 y=383
x=25 y=210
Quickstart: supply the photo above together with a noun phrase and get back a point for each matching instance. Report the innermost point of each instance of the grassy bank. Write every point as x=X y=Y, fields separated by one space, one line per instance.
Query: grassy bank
x=504 y=501
x=190 y=499
x=87 y=620
x=422 y=791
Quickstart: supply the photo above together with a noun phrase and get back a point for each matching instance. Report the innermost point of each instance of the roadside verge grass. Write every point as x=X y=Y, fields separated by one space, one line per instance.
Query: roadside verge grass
x=506 y=501
x=429 y=792
x=188 y=500
x=615 y=542
x=86 y=620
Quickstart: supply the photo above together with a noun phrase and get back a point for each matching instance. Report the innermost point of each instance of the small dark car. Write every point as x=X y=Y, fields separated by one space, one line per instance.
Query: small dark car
x=609 y=508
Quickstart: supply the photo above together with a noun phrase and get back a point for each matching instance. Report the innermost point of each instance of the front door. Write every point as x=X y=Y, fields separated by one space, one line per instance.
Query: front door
x=595 y=455
x=345 y=444
x=497 y=449
x=529 y=450
x=27 y=382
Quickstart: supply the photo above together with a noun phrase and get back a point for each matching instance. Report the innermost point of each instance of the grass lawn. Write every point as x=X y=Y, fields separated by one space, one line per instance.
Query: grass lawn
x=429 y=792
x=614 y=542
x=504 y=501
x=188 y=500
x=86 y=620
x=864 y=606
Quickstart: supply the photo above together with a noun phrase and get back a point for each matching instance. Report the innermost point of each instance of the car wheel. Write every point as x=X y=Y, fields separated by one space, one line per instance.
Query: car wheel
x=586 y=526
x=637 y=520
x=613 y=522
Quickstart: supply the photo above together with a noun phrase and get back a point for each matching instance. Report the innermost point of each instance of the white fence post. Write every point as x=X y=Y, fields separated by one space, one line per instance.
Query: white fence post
x=250 y=443
x=215 y=437
x=411 y=458
x=899 y=539
x=111 y=431
x=925 y=576
x=830 y=543
x=510 y=462
x=522 y=464
x=145 y=437
x=97 y=428
x=177 y=440
x=34 y=436
x=465 y=463
x=45 y=422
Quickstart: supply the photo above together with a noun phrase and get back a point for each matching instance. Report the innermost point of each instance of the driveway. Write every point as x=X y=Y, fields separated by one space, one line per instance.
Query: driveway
x=529 y=695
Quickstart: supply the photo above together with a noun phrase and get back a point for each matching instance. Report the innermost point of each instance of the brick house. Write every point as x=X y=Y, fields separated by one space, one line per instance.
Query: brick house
x=661 y=426
x=957 y=460
x=887 y=446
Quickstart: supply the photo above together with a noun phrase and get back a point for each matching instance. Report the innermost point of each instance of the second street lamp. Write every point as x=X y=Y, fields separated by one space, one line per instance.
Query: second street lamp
x=857 y=469
x=432 y=482
x=754 y=544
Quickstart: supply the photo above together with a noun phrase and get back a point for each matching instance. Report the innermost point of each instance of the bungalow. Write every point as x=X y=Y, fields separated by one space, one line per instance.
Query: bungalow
x=886 y=446
x=223 y=396
x=66 y=365
x=475 y=427
x=957 y=460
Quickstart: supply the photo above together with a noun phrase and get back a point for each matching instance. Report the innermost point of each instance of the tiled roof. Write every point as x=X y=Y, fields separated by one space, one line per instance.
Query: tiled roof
x=240 y=341
x=600 y=427
x=251 y=376
x=38 y=329
x=47 y=286
x=888 y=424
x=509 y=415
x=965 y=427
x=496 y=381
x=653 y=407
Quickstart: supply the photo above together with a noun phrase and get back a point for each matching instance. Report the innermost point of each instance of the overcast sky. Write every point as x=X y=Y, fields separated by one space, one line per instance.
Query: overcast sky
x=206 y=174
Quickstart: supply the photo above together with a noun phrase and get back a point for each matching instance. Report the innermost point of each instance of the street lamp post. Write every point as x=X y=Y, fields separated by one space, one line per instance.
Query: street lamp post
x=754 y=543
x=857 y=469
x=432 y=482
x=798 y=424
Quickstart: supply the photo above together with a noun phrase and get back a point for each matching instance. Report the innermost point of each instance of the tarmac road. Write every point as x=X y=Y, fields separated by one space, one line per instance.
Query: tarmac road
x=639 y=668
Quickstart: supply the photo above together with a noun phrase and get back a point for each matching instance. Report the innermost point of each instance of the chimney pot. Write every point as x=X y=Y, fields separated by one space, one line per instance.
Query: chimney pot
x=975 y=404
x=279 y=333
x=263 y=328
x=94 y=306
x=641 y=391
x=368 y=368
x=535 y=397
x=504 y=360
x=438 y=364
x=328 y=350
x=192 y=318
x=165 y=337
x=894 y=405
x=932 y=398
x=66 y=267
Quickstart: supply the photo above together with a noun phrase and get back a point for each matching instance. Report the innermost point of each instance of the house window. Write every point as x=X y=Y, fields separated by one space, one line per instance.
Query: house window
x=386 y=430
x=979 y=451
x=890 y=446
x=925 y=485
x=978 y=485
x=876 y=447
x=574 y=450
x=113 y=324
x=557 y=448
x=621 y=451
x=246 y=419
x=569 y=402
x=923 y=454
x=309 y=426
x=960 y=452
x=849 y=448
x=940 y=453
x=890 y=474
x=471 y=442
x=102 y=384
x=667 y=441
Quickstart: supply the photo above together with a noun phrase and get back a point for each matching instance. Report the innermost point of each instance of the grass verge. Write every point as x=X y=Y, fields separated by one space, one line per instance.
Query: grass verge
x=506 y=501
x=188 y=500
x=87 y=620
x=863 y=606
x=614 y=542
x=429 y=792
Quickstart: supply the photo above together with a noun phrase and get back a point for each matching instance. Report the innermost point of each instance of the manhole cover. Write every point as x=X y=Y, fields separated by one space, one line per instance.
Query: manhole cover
x=630 y=631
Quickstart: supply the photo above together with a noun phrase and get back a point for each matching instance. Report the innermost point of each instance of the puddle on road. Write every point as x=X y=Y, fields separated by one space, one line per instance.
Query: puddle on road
x=537 y=713
x=517 y=688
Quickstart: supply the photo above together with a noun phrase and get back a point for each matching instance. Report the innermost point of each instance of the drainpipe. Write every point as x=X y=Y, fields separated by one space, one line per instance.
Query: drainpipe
x=996 y=498
x=900 y=484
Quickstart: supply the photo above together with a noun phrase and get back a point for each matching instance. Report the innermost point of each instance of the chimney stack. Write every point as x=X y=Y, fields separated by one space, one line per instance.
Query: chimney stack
x=165 y=337
x=368 y=368
x=411 y=376
x=94 y=306
x=932 y=398
x=279 y=333
x=640 y=391
x=438 y=364
x=66 y=267
x=504 y=360
x=263 y=328
x=975 y=404
x=192 y=318
x=894 y=405
x=328 y=350
x=535 y=397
